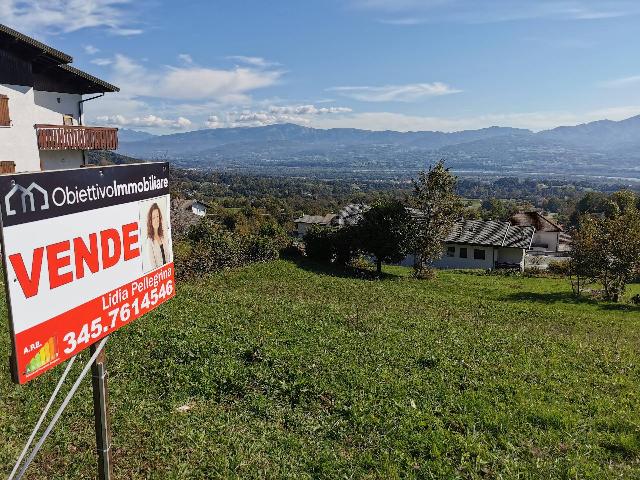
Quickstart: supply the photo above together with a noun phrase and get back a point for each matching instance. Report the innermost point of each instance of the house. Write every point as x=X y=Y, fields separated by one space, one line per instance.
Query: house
x=195 y=206
x=350 y=214
x=41 y=107
x=305 y=222
x=549 y=237
x=486 y=245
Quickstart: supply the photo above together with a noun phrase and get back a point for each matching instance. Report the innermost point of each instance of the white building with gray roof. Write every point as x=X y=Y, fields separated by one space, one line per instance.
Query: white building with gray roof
x=486 y=245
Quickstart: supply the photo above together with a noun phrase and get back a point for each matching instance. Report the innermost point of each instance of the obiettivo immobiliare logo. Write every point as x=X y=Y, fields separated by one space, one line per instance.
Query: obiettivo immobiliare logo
x=61 y=196
x=26 y=194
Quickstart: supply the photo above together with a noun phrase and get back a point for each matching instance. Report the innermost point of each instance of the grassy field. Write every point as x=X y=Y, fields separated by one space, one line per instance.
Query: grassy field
x=282 y=370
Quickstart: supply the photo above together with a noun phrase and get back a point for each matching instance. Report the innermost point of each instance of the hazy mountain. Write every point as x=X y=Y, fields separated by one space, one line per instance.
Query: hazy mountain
x=600 y=135
x=298 y=136
x=126 y=135
x=598 y=148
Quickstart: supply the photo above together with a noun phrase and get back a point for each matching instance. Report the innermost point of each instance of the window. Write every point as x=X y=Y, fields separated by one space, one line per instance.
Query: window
x=478 y=254
x=463 y=252
x=67 y=119
x=5 y=120
x=451 y=251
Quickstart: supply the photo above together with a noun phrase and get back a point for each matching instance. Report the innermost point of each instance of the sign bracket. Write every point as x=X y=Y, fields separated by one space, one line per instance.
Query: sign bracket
x=101 y=412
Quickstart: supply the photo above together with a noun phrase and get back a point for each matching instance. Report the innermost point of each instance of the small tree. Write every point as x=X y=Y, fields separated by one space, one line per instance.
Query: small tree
x=438 y=207
x=382 y=232
x=607 y=250
x=621 y=251
x=586 y=260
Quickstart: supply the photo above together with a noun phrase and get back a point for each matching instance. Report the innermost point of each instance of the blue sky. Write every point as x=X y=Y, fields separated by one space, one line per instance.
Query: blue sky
x=377 y=64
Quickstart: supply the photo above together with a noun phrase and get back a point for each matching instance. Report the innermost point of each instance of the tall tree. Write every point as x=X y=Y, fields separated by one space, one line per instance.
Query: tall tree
x=383 y=230
x=437 y=208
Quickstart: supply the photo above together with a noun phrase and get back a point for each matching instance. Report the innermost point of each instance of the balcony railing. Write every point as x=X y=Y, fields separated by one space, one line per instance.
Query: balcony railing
x=65 y=137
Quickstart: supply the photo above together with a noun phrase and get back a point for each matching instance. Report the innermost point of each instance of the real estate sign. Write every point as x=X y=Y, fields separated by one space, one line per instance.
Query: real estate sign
x=85 y=251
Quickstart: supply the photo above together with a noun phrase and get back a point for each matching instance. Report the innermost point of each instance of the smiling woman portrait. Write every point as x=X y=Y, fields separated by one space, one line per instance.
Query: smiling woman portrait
x=157 y=244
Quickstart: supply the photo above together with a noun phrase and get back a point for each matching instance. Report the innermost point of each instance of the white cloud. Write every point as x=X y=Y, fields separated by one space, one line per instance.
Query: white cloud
x=253 y=61
x=44 y=17
x=396 y=93
x=213 y=122
x=412 y=12
x=91 y=50
x=622 y=82
x=152 y=121
x=102 y=62
x=299 y=114
x=306 y=110
x=249 y=118
x=185 y=58
x=190 y=82
x=229 y=85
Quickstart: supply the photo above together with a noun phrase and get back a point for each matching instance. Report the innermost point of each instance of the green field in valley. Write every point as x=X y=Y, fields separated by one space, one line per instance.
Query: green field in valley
x=285 y=370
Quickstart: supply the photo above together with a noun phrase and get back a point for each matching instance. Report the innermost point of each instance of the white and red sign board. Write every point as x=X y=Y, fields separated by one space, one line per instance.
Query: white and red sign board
x=85 y=251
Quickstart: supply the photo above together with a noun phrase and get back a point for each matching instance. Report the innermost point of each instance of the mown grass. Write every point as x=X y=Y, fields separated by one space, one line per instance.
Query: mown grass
x=294 y=371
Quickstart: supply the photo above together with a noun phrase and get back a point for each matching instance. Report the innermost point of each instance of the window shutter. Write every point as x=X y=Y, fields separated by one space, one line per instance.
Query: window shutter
x=7 y=166
x=5 y=120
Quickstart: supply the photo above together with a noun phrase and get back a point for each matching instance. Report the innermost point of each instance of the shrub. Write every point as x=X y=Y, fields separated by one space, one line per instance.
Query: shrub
x=559 y=267
x=362 y=263
x=318 y=244
x=344 y=243
x=330 y=244
x=275 y=232
x=210 y=248
x=260 y=249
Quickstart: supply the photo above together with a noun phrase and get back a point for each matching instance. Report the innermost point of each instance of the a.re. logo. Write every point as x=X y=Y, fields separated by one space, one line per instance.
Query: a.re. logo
x=27 y=193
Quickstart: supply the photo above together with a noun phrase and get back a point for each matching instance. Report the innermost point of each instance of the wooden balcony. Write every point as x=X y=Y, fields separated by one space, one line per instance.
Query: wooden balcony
x=64 y=137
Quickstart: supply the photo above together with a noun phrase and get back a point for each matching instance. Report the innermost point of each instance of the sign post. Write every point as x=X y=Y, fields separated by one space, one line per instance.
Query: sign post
x=101 y=412
x=85 y=252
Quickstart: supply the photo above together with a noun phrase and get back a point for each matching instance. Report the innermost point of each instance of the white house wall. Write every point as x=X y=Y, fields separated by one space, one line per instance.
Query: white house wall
x=199 y=210
x=511 y=255
x=492 y=254
x=456 y=262
x=60 y=159
x=51 y=106
x=550 y=239
x=18 y=142
x=466 y=263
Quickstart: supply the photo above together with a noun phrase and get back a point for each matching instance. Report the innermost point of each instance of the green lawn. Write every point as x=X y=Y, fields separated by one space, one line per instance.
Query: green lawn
x=287 y=371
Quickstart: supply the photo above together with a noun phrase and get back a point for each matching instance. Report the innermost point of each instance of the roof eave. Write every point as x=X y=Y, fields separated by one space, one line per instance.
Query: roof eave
x=46 y=49
x=106 y=86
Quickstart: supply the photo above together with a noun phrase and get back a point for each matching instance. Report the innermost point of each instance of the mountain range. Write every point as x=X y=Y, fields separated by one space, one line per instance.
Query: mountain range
x=601 y=148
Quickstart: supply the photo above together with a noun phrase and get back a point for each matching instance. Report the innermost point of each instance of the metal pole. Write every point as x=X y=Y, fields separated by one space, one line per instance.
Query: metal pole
x=101 y=412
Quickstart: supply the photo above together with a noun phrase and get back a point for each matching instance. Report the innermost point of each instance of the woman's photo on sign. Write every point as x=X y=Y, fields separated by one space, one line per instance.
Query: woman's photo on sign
x=155 y=234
